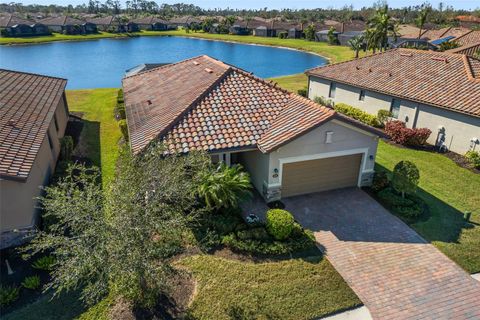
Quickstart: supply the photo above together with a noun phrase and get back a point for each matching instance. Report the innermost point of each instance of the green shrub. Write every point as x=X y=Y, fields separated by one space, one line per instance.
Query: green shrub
x=120 y=98
x=324 y=101
x=357 y=114
x=410 y=207
x=380 y=181
x=225 y=223
x=474 y=158
x=283 y=34
x=44 y=263
x=258 y=233
x=405 y=177
x=279 y=223
x=123 y=128
x=383 y=116
x=302 y=92
x=32 y=282
x=66 y=147
x=8 y=295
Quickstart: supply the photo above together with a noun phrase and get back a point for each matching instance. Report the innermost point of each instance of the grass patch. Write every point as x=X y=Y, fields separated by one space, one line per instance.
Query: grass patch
x=101 y=132
x=290 y=289
x=60 y=37
x=292 y=83
x=449 y=191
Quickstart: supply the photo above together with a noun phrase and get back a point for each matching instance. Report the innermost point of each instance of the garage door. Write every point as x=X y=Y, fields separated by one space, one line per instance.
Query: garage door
x=320 y=175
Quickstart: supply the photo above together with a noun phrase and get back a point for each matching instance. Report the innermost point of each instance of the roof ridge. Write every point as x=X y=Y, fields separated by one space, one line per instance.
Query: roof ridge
x=269 y=83
x=468 y=68
x=193 y=104
x=34 y=74
x=166 y=66
x=461 y=48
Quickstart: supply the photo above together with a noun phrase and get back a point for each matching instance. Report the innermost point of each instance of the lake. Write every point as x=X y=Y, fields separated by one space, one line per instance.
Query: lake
x=102 y=63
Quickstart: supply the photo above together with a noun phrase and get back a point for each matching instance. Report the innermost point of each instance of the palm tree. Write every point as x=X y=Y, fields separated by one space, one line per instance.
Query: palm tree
x=225 y=186
x=421 y=19
x=383 y=26
x=357 y=43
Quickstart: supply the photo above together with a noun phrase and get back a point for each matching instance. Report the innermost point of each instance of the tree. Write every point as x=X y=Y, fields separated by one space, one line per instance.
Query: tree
x=224 y=187
x=121 y=241
x=405 y=177
x=421 y=19
x=332 y=39
x=310 y=32
x=381 y=27
x=356 y=43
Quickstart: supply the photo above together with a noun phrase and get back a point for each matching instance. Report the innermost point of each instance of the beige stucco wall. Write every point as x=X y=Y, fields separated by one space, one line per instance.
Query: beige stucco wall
x=459 y=128
x=346 y=140
x=17 y=199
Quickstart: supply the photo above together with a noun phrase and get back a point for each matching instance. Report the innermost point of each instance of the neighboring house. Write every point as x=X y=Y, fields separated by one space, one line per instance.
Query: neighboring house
x=322 y=35
x=469 y=43
x=69 y=25
x=143 y=67
x=185 y=22
x=296 y=32
x=436 y=90
x=264 y=31
x=152 y=23
x=109 y=24
x=344 y=31
x=289 y=144
x=13 y=26
x=34 y=117
x=444 y=34
x=132 y=27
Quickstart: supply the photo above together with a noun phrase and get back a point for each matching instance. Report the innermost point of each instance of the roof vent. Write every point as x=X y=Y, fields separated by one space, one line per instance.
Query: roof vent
x=357 y=67
x=196 y=63
x=149 y=102
x=406 y=54
x=370 y=70
x=209 y=70
x=389 y=74
x=440 y=59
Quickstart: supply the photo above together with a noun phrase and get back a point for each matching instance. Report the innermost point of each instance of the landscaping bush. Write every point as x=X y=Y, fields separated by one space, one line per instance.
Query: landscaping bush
x=302 y=92
x=310 y=33
x=8 y=295
x=380 y=181
x=44 y=263
x=474 y=158
x=279 y=223
x=32 y=282
x=410 y=207
x=123 y=128
x=357 y=114
x=66 y=148
x=120 y=98
x=383 y=116
x=405 y=177
x=411 y=137
x=324 y=101
x=120 y=111
x=283 y=35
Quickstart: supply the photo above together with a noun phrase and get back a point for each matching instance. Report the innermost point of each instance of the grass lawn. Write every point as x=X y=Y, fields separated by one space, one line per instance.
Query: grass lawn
x=449 y=191
x=290 y=289
x=59 y=37
x=292 y=83
x=101 y=132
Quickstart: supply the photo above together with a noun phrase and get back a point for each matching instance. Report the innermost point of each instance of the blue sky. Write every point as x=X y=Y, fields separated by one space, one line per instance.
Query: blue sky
x=275 y=4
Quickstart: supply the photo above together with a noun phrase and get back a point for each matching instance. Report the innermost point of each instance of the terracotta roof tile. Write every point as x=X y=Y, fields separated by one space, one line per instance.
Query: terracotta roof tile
x=440 y=79
x=192 y=109
x=27 y=104
x=469 y=38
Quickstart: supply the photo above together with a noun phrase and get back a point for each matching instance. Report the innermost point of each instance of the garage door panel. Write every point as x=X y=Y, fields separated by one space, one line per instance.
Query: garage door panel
x=320 y=175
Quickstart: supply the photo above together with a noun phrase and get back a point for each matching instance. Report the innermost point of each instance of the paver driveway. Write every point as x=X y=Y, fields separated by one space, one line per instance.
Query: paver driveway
x=394 y=271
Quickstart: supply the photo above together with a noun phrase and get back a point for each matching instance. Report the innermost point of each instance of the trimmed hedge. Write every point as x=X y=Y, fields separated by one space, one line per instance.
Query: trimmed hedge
x=357 y=114
x=123 y=128
x=279 y=223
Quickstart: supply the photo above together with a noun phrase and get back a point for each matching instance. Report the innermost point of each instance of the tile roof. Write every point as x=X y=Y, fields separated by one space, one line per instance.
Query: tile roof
x=470 y=38
x=27 y=104
x=9 y=20
x=204 y=104
x=445 y=32
x=108 y=20
x=440 y=79
x=149 y=20
x=61 y=21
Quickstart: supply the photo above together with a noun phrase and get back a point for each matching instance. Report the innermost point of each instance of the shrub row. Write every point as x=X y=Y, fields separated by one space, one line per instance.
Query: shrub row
x=406 y=136
x=357 y=114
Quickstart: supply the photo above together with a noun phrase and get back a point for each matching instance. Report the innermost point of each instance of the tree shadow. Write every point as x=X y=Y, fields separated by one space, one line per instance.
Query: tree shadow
x=441 y=222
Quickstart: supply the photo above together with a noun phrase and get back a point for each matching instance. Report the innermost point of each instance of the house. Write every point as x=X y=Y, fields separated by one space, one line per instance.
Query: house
x=143 y=67
x=469 y=43
x=185 y=22
x=344 y=31
x=152 y=23
x=13 y=26
x=34 y=118
x=322 y=35
x=436 y=90
x=296 y=32
x=264 y=31
x=69 y=25
x=132 y=27
x=289 y=144
x=109 y=24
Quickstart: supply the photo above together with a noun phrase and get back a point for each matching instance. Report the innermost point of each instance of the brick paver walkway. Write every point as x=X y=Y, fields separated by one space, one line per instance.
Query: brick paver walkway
x=390 y=267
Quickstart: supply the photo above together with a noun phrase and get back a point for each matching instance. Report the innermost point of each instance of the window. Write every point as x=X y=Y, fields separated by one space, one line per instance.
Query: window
x=333 y=88
x=395 y=108
x=361 y=96
x=55 y=121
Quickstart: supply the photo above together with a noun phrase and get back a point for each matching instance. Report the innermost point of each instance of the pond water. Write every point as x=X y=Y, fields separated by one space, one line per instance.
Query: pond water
x=102 y=63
